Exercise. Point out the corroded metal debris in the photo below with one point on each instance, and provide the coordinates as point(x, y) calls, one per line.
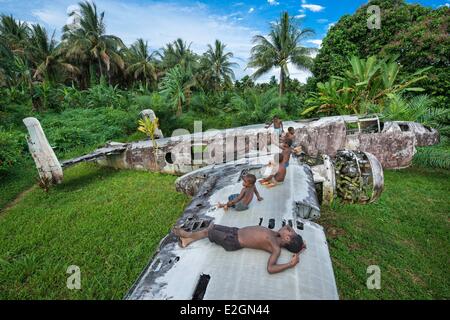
point(359, 179)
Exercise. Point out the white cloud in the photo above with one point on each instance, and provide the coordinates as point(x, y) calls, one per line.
point(322, 20)
point(273, 2)
point(317, 42)
point(294, 73)
point(313, 7)
point(251, 10)
point(72, 8)
point(28, 23)
point(160, 23)
point(300, 16)
point(51, 17)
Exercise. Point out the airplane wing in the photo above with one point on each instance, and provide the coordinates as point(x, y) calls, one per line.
point(204, 270)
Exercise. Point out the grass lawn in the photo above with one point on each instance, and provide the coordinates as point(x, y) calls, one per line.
point(109, 223)
point(105, 221)
point(406, 233)
point(19, 178)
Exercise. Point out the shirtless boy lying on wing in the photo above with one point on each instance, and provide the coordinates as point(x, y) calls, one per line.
point(254, 237)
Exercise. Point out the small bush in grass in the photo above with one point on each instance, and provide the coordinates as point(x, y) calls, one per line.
point(435, 156)
point(12, 144)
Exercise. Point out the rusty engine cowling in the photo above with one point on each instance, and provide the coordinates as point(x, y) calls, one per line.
point(352, 176)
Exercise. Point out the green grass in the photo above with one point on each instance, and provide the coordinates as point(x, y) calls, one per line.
point(18, 179)
point(105, 221)
point(406, 233)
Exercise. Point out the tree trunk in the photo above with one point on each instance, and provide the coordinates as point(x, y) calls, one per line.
point(179, 108)
point(282, 79)
point(48, 166)
point(100, 66)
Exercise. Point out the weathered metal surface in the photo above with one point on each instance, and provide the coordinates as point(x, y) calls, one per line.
point(324, 175)
point(109, 150)
point(359, 177)
point(377, 177)
point(392, 147)
point(173, 272)
point(425, 136)
point(322, 136)
point(47, 164)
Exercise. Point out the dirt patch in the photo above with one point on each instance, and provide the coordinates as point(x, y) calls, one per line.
point(19, 198)
point(334, 232)
point(415, 278)
point(354, 246)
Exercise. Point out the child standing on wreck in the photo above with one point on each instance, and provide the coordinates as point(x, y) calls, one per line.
point(241, 201)
point(290, 135)
point(277, 126)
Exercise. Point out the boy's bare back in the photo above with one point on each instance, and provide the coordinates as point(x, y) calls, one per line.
point(257, 237)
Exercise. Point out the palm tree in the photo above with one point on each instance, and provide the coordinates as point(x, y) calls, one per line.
point(176, 87)
point(142, 64)
point(256, 105)
point(279, 48)
point(6, 65)
point(217, 65)
point(87, 42)
point(46, 57)
point(13, 34)
point(178, 53)
point(14, 37)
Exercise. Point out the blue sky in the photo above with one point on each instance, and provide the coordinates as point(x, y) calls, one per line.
point(198, 21)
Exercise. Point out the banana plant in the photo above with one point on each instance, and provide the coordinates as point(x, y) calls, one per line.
point(150, 127)
point(367, 82)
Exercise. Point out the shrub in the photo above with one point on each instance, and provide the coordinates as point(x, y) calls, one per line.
point(106, 96)
point(434, 157)
point(71, 97)
point(88, 127)
point(12, 144)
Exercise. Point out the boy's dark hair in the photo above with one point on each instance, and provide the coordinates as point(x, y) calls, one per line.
point(296, 244)
point(278, 158)
point(291, 130)
point(288, 142)
point(276, 117)
point(250, 178)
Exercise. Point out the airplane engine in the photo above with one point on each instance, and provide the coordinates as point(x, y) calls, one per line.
point(352, 176)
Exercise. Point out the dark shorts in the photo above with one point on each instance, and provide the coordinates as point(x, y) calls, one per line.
point(240, 206)
point(224, 236)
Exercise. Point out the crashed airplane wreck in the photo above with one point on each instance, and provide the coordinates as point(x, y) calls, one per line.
point(339, 157)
